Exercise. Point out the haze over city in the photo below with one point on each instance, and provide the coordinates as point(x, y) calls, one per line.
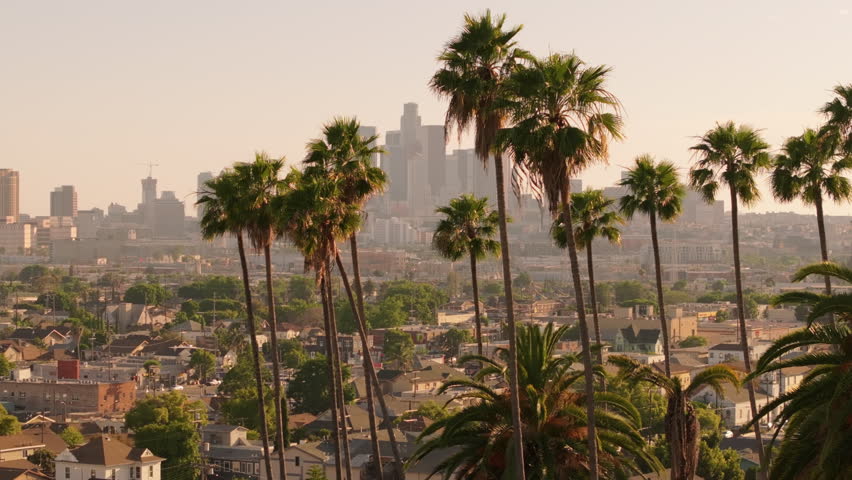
point(93, 90)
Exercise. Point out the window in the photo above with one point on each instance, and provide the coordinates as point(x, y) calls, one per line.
point(257, 468)
point(22, 394)
point(75, 396)
point(150, 471)
point(67, 472)
point(132, 470)
point(297, 461)
point(92, 474)
point(227, 465)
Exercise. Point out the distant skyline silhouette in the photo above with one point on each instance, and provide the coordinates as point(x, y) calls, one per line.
point(92, 90)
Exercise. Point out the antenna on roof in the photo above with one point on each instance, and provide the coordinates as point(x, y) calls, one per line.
point(151, 166)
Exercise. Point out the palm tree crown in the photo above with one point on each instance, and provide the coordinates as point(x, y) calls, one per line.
point(596, 218)
point(839, 305)
point(555, 422)
point(474, 67)
point(730, 154)
point(838, 112)
point(808, 169)
point(468, 228)
point(652, 189)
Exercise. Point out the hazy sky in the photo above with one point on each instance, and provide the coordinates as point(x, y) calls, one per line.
point(91, 90)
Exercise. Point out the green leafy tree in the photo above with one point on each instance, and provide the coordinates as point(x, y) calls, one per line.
point(240, 408)
point(212, 286)
point(301, 288)
point(682, 427)
point(721, 316)
point(693, 341)
point(719, 464)
point(474, 68)
point(654, 189)
point(316, 473)
point(429, 409)
point(292, 352)
point(9, 424)
point(733, 155)
point(606, 294)
point(45, 460)
point(553, 417)
point(629, 291)
point(398, 348)
point(72, 437)
point(190, 307)
point(813, 170)
point(422, 299)
point(595, 218)
point(5, 366)
point(203, 362)
point(31, 273)
point(146, 294)
point(451, 341)
point(310, 387)
point(466, 229)
point(168, 416)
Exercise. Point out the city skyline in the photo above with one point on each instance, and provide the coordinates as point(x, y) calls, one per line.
point(90, 112)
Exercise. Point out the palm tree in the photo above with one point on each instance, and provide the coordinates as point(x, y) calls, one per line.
point(474, 67)
point(467, 230)
point(837, 305)
point(734, 155)
point(259, 185)
point(563, 123)
point(681, 424)
point(810, 170)
point(838, 113)
point(554, 421)
point(344, 155)
point(314, 219)
point(815, 415)
point(224, 213)
point(595, 219)
point(655, 190)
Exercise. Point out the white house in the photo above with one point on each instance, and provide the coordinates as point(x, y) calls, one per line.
point(107, 459)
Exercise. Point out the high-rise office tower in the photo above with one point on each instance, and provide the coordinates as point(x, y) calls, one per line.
point(435, 156)
point(168, 216)
point(149, 190)
point(9, 194)
point(369, 132)
point(202, 179)
point(63, 201)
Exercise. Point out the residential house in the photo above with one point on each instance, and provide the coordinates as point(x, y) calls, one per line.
point(106, 458)
point(733, 352)
point(125, 317)
point(128, 345)
point(680, 326)
point(423, 381)
point(45, 336)
point(21, 470)
point(227, 448)
point(20, 351)
point(646, 340)
point(733, 406)
point(69, 396)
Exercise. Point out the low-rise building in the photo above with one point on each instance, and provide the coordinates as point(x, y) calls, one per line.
point(106, 458)
point(69, 396)
point(646, 340)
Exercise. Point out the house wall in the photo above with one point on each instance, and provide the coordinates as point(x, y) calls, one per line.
point(81, 471)
point(78, 397)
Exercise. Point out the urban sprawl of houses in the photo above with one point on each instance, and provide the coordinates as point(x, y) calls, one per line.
point(104, 312)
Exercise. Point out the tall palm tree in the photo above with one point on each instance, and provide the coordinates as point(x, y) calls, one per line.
point(474, 67)
point(564, 119)
point(467, 229)
point(837, 305)
point(810, 170)
point(314, 219)
point(225, 213)
point(259, 183)
point(344, 155)
point(734, 155)
point(838, 114)
point(681, 424)
point(655, 190)
point(554, 421)
point(815, 415)
point(595, 219)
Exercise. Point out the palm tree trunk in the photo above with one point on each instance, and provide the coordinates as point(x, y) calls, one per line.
point(584, 331)
point(661, 304)
point(593, 297)
point(359, 297)
point(338, 374)
point(823, 243)
point(335, 417)
point(514, 388)
point(255, 353)
point(371, 373)
point(683, 433)
point(276, 367)
point(476, 315)
point(741, 314)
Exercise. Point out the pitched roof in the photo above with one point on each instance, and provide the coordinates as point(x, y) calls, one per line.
point(644, 335)
point(165, 347)
point(727, 347)
point(107, 452)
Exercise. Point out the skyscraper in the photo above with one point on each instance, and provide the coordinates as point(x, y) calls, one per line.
point(202, 178)
point(368, 132)
point(9, 194)
point(63, 201)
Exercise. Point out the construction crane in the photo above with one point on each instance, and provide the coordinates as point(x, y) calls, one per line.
point(150, 168)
